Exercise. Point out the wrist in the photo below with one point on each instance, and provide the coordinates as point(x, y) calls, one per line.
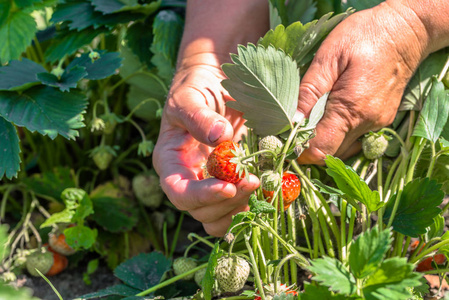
point(430, 19)
point(213, 29)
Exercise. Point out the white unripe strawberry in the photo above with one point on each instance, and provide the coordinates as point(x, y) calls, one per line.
point(231, 273)
point(270, 142)
point(41, 259)
point(182, 265)
point(270, 180)
point(374, 145)
point(146, 187)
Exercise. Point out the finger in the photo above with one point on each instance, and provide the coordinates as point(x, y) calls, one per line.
point(220, 227)
point(213, 211)
point(200, 112)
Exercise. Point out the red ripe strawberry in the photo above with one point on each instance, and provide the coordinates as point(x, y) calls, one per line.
point(291, 187)
point(223, 162)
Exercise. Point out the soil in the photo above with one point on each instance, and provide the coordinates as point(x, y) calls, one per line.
point(69, 283)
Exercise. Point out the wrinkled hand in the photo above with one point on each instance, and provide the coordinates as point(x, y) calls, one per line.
point(195, 119)
point(366, 62)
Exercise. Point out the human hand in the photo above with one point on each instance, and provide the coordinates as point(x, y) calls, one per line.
point(365, 63)
point(195, 119)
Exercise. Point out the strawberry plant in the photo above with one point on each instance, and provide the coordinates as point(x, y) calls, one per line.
point(82, 84)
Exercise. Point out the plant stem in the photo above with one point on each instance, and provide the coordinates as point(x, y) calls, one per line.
point(257, 279)
point(170, 281)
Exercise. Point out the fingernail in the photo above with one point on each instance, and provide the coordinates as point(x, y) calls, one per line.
point(298, 117)
point(216, 131)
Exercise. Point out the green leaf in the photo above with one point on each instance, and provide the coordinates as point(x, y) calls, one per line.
point(267, 103)
point(19, 75)
point(367, 252)
point(5, 7)
point(317, 113)
point(80, 15)
point(45, 110)
point(9, 150)
point(434, 113)
point(300, 41)
point(139, 37)
point(144, 270)
point(77, 207)
point(68, 42)
point(436, 229)
point(103, 67)
point(8, 291)
point(259, 207)
point(391, 281)
point(115, 290)
point(145, 80)
point(167, 31)
point(419, 85)
point(417, 207)
point(321, 292)
point(440, 172)
point(333, 274)
point(303, 11)
point(112, 6)
point(145, 106)
point(209, 277)
point(69, 78)
point(80, 237)
point(360, 4)
point(114, 214)
point(16, 34)
point(350, 183)
point(50, 184)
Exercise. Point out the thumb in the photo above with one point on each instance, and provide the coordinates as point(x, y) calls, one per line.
point(203, 123)
point(319, 79)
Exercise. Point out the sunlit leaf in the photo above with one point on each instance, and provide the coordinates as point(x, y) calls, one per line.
point(367, 252)
point(9, 150)
point(317, 112)
point(419, 85)
point(264, 82)
point(16, 34)
point(300, 41)
point(350, 183)
point(80, 237)
point(434, 113)
point(417, 207)
point(19, 75)
point(68, 80)
point(45, 110)
point(392, 281)
point(322, 292)
point(333, 274)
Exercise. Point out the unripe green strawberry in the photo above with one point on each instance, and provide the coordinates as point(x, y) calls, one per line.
point(199, 275)
point(182, 265)
point(270, 180)
point(374, 145)
point(102, 156)
point(146, 187)
point(231, 273)
point(41, 259)
point(272, 143)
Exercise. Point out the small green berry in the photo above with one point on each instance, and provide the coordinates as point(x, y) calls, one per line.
point(374, 145)
point(182, 265)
